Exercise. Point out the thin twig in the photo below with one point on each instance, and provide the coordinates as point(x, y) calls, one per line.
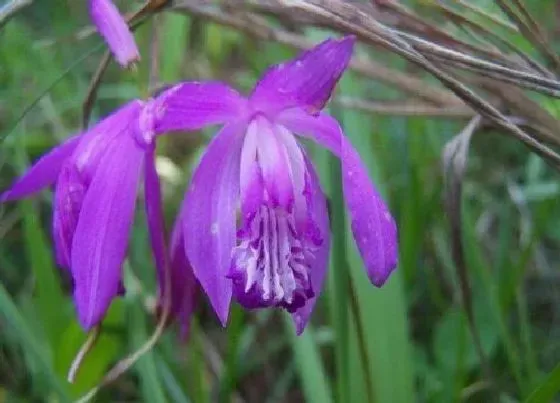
point(498, 71)
point(82, 354)
point(530, 30)
point(91, 94)
point(413, 109)
point(455, 155)
point(461, 19)
point(154, 54)
point(483, 13)
point(350, 19)
point(368, 68)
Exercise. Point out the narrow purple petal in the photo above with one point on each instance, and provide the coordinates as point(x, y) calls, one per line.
point(43, 173)
point(273, 161)
point(100, 241)
point(250, 177)
point(296, 170)
point(209, 222)
point(306, 81)
point(154, 214)
point(115, 31)
point(68, 199)
point(317, 205)
point(193, 105)
point(373, 226)
point(184, 286)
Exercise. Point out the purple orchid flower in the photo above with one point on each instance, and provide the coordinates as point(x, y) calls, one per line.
point(274, 254)
point(97, 174)
point(114, 29)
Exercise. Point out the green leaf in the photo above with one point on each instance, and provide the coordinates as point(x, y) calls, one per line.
point(310, 367)
point(548, 389)
point(23, 337)
point(150, 382)
point(97, 362)
point(49, 299)
point(382, 312)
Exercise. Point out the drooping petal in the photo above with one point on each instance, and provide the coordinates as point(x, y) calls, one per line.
point(209, 221)
point(68, 199)
point(115, 31)
point(184, 286)
point(306, 81)
point(193, 105)
point(319, 216)
point(100, 242)
point(43, 173)
point(154, 214)
point(373, 226)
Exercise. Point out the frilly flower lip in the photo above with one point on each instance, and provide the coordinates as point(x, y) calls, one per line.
point(114, 29)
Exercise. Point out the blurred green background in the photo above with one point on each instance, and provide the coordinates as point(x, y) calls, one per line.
point(407, 342)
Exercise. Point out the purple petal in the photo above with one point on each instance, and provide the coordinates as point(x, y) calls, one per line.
point(306, 81)
point(373, 226)
point(43, 173)
point(100, 241)
point(99, 138)
point(184, 286)
point(154, 213)
point(296, 170)
point(317, 205)
point(273, 161)
point(209, 222)
point(68, 199)
point(193, 105)
point(115, 31)
point(250, 177)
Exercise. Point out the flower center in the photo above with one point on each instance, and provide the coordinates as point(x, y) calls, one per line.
point(270, 264)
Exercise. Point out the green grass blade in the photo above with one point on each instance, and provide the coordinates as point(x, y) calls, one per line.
point(329, 167)
point(49, 299)
point(310, 367)
point(383, 312)
point(548, 390)
point(15, 324)
point(151, 385)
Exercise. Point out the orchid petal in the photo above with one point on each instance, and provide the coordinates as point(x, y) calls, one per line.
point(43, 173)
point(373, 226)
point(209, 221)
point(184, 286)
point(193, 105)
point(273, 162)
point(114, 29)
point(296, 170)
point(68, 199)
point(306, 81)
point(98, 138)
point(100, 241)
point(250, 177)
point(154, 214)
point(317, 205)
